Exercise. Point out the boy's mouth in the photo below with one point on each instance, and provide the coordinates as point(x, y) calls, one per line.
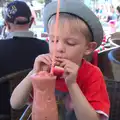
point(60, 57)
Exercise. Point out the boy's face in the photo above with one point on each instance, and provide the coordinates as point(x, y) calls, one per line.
point(70, 44)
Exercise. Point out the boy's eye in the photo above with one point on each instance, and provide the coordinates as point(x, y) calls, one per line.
point(71, 43)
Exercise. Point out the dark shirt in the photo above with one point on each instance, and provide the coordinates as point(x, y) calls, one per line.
point(17, 53)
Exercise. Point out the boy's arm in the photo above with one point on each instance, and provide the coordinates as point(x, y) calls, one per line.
point(82, 108)
point(21, 93)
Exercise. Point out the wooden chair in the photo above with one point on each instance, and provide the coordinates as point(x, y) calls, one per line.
point(14, 79)
point(113, 88)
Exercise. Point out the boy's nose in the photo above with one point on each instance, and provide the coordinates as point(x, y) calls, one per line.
point(60, 47)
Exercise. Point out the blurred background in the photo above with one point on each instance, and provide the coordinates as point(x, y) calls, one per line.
point(108, 12)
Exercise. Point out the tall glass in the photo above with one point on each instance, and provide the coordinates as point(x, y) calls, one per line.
point(44, 102)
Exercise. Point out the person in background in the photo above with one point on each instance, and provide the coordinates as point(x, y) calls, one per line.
point(118, 18)
point(19, 49)
point(112, 14)
point(118, 12)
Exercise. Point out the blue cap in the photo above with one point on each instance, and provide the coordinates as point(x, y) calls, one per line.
point(17, 12)
point(79, 9)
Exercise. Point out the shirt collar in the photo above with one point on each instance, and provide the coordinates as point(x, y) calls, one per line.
point(20, 34)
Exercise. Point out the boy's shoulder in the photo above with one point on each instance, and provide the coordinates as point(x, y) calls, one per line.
point(88, 69)
point(88, 72)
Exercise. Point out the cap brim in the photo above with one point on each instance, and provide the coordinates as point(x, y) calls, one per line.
point(79, 9)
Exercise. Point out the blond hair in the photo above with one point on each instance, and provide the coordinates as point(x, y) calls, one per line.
point(76, 24)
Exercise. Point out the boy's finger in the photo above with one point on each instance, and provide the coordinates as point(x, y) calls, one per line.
point(57, 63)
point(39, 63)
point(63, 64)
point(48, 57)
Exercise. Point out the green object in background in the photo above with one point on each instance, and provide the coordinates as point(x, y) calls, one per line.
point(100, 49)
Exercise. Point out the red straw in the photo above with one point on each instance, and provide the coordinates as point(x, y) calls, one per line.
point(56, 31)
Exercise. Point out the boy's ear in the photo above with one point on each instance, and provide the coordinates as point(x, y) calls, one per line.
point(90, 48)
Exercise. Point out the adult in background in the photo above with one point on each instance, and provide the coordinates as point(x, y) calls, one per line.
point(20, 48)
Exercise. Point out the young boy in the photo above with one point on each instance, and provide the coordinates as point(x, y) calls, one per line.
point(82, 87)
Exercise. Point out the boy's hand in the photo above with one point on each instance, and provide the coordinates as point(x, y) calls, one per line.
point(42, 63)
point(71, 71)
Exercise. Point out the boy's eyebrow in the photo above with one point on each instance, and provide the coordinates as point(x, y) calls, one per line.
point(67, 38)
